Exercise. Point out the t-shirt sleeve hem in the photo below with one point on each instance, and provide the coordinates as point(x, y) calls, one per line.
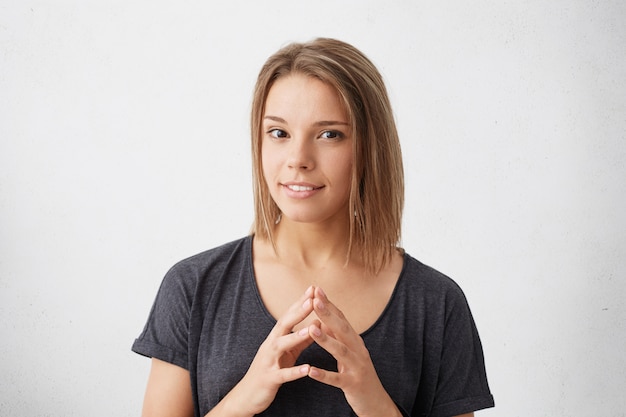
point(153, 350)
point(464, 406)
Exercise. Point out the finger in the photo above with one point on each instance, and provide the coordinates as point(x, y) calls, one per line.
point(291, 374)
point(297, 312)
point(326, 377)
point(339, 350)
point(333, 318)
point(297, 341)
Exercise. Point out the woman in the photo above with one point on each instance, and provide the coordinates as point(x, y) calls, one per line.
point(318, 312)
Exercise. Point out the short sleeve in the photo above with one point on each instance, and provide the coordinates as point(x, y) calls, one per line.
point(166, 333)
point(462, 383)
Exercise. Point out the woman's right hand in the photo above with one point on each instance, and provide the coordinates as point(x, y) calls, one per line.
point(273, 365)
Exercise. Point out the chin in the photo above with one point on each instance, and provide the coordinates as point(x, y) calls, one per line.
point(301, 217)
point(309, 216)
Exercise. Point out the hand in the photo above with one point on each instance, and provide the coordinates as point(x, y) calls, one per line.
point(355, 375)
point(273, 365)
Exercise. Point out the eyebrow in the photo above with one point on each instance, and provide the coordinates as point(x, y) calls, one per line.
point(319, 123)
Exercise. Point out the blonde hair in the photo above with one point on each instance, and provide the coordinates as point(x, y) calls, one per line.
point(377, 191)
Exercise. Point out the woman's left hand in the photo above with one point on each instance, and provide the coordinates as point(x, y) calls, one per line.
point(355, 375)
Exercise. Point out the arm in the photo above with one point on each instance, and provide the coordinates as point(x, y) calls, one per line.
point(272, 366)
point(169, 387)
point(168, 393)
point(356, 375)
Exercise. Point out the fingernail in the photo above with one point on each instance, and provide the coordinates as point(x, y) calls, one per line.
point(306, 304)
point(314, 372)
point(322, 293)
point(303, 332)
point(320, 304)
point(317, 331)
point(304, 369)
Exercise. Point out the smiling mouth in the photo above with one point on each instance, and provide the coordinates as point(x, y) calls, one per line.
point(300, 188)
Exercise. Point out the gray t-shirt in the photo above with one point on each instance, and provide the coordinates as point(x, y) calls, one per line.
point(208, 318)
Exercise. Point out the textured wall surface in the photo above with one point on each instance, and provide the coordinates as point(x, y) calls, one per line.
point(124, 148)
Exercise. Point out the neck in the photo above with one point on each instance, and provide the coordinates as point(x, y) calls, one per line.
point(312, 245)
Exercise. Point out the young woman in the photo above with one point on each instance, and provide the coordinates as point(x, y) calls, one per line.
point(318, 312)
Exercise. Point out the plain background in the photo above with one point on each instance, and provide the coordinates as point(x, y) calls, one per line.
point(124, 147)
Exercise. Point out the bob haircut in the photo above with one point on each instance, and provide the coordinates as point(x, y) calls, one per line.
point(377, 190)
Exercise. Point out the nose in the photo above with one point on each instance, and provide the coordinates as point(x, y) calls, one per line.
point(301, 154)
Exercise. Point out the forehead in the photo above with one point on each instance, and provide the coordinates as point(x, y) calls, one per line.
point(300, 96)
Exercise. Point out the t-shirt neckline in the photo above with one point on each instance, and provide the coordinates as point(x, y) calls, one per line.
point(272, 320)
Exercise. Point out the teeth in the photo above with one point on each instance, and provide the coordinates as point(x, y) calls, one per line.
point(299, 188)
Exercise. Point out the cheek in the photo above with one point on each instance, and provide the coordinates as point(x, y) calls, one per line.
point(342, 166)
point(267, 162)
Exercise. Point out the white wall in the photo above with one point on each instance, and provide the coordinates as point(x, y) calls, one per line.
point(124, 148)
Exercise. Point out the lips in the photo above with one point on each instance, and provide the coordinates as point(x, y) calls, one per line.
point(294, 187)
point(301, 186)
point(301, 189)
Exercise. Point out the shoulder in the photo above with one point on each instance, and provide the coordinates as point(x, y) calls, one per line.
point(215, 257)
point(187, 275)
point(453, 370)
point(430, 286)
point(427, 277)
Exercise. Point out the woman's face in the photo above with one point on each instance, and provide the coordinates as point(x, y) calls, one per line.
point(306, 150)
